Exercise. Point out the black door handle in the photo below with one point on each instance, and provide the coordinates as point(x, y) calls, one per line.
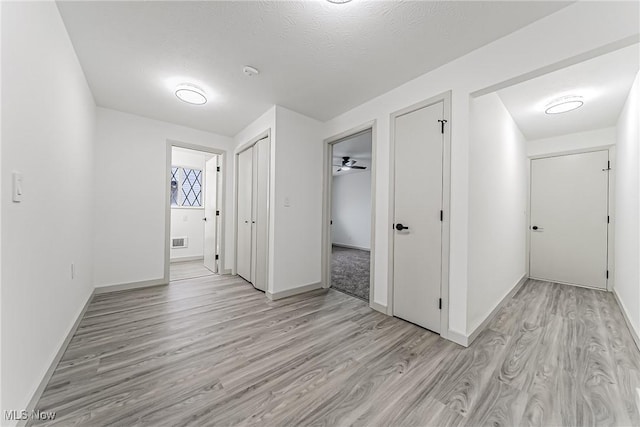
point(401, 227)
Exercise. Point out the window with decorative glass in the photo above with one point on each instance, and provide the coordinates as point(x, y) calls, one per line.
point(186, 187)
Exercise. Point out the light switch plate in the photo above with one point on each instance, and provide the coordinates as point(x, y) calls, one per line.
point(17, 187)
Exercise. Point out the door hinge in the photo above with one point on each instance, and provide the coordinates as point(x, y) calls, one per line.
point(608, 219)
point(439, 303)
point(607, 274)
point(217, 168)
point(217, 256)
point(441, 215)
point(608, 166)
point(442, 122)
point(217, 213)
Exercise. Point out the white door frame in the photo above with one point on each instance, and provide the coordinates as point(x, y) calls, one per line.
point(222, 156)
point(610, 204)
point(446, 203)
point(327, 205)
point(253, 141)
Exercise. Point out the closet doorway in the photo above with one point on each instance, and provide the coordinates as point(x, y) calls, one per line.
point(252, 212)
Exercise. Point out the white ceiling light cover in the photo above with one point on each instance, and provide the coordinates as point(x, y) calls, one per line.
point(564, 104)
point(191, 94)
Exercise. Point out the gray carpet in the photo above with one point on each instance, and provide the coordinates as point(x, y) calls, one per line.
point(350, 271)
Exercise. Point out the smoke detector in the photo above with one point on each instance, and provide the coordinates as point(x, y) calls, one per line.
point(250, 71)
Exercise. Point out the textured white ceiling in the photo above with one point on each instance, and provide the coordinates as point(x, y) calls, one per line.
point(318, 58)
point(604, 83)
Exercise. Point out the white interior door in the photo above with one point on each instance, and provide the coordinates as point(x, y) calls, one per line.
point(210, 206)
point(569, 219)
point(245, 202)
point(417, 255)
point(260, 213)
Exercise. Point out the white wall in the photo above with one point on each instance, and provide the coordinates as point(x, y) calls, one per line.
point(294, 230)
point(351, 207)
point(48, 127)
point(129, 239)
point(498, 188)
point(297, 236)
point(187, 221)
point(551, 40)
point(565, 144)
point(627, 242)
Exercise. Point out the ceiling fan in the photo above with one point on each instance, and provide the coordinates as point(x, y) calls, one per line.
point(348, 164)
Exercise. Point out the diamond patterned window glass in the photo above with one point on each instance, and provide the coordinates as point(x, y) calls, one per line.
point(174, 186)
point(192, 187)
point(186, 187)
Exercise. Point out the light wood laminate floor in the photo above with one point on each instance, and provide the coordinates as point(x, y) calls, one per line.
point(188, 270)
point(213, 351)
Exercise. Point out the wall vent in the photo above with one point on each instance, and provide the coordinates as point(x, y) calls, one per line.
point(179, 242)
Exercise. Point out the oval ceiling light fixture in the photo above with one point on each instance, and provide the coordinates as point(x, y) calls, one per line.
point(190, 94)
point(338, 1)
point(564, 104)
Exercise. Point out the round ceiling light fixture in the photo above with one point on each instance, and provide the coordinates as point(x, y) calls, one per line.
point(338, 1)
point(190, 94)
point(564, 104)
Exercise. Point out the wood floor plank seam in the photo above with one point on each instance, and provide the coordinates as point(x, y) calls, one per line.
point(212, 351)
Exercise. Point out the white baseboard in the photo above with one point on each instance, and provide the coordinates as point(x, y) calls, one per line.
point(495, 311)
point(225, 272)
point(54, 363)
point(458, 338)
point(344, 245)
point(187, 258)
point(295, 291)
point(626, 319)
point(128, 286)
point(378, 307)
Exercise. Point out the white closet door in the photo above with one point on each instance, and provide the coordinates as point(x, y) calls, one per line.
point(417, 256)
point(260, 213)
point(211, 223)
point(244, 215)
point(569, 219)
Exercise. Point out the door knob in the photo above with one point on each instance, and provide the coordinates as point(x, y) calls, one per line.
point(204, 219)
point(401, 227)
point(535, 227)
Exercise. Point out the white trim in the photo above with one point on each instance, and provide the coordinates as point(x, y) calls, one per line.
point(128, 286)
point(632, 331)
point(220, 206)
point(378, 307)
point(445, 98)
point(481, 327)
point(295, 291)
point(186, 259)
point(458, 338)
point(344, 245)
point(56, 359)
point(327, 200)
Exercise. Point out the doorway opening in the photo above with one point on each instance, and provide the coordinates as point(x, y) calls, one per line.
point(350, 208)
point(194, 213)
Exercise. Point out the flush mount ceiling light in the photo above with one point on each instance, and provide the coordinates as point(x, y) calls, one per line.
point(190, 94)
point(338, 1)
point(564, 104)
